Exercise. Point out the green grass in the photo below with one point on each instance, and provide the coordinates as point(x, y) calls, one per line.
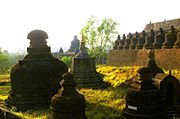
point(35, 114)
point(106, 103)
point(4, 78)
point(100, 104)
point(117, 75)
point(4, 90)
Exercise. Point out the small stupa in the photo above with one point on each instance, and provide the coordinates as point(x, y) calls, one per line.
point(68, 103)
point(152, 63)
point(84, 69)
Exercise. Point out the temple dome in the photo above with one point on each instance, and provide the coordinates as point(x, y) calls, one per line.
point(37, 34)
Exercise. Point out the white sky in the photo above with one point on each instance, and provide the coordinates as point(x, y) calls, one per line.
point(62, 19)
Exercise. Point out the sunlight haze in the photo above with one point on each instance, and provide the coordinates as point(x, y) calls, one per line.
point(62, 19)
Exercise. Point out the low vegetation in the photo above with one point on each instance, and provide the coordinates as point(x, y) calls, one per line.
point(67, 60)
point(107, 105)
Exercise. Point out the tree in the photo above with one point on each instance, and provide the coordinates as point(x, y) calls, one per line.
point(4, 61)
point(7, 60)
point(99, 35)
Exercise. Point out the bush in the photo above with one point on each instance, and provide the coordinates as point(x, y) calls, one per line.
point(4, 63)
point(7, 61)
point(67, 60)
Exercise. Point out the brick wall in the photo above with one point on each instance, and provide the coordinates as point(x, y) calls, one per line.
point(165, 58)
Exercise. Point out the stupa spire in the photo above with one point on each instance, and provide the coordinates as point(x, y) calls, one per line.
point(83, 50)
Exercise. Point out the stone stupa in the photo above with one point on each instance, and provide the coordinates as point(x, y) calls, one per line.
point(151, 64)
point(35, 79)
point(144, 99)
point(68, 103)
point(84, 70)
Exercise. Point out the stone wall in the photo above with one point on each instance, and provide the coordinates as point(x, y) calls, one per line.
point(165, 58)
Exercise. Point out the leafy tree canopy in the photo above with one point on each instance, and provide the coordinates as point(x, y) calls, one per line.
point(7, 60)
point(99, 36)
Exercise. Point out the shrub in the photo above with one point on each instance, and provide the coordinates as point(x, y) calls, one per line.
point(67, 60)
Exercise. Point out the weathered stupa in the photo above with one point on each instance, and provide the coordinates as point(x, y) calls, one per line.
point(68, 103)
point(144, 99)
point(35, 79)
point(155, 69)
point(74, 45)
point(177, 43)
point(84, 70)
point(170, 38)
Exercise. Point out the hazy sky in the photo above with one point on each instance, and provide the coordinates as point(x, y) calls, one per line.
point(62, 19)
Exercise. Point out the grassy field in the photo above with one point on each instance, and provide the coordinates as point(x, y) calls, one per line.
point(4, 88)
point(107, 105)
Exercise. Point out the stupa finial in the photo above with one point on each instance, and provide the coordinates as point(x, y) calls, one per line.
point(83, 50)
point(151, 53)
point(82, 46)
point(82, 38)
point(152, 63)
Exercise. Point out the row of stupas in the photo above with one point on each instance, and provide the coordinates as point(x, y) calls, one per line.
point(161, 38)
